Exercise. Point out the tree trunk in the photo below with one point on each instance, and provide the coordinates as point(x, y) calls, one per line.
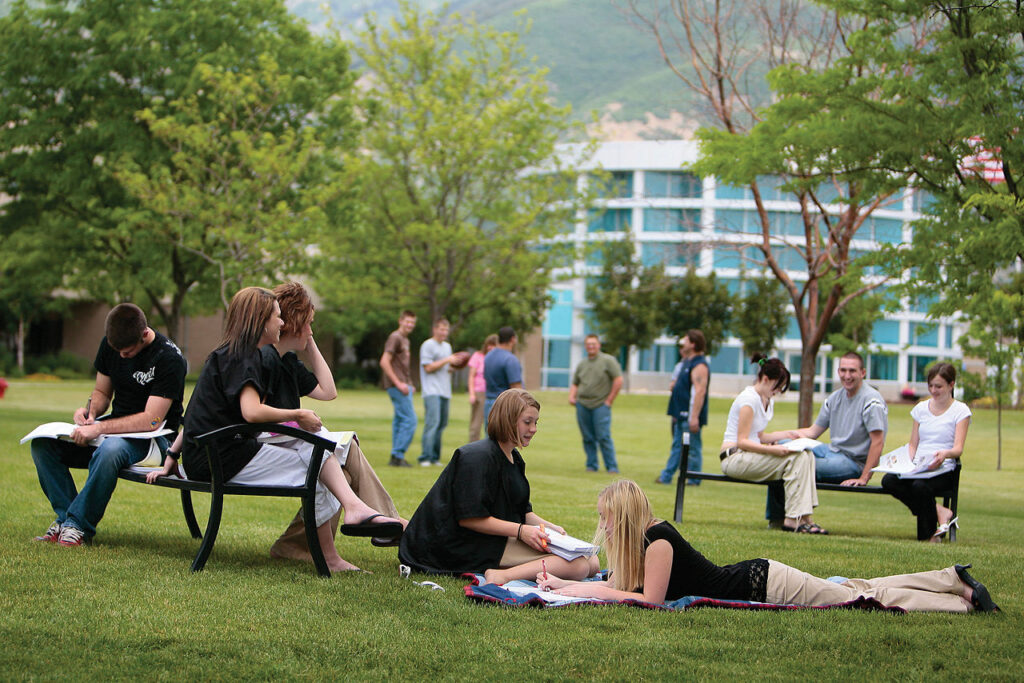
point(808, 361)
point(20, 344)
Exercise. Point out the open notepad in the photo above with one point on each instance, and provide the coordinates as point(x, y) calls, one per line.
point(899, 462)
point(62, 430)
point(568, 547)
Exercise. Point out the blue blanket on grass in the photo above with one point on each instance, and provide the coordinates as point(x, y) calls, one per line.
point(500, 595)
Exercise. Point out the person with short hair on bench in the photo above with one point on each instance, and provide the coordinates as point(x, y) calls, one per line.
point(857, 420)
point(749, 453)
point(141, 374)
point(289, 380)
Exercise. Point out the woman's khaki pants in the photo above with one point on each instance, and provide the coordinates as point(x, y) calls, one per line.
point(796, 472)
point(934, 591)
point(364, 483)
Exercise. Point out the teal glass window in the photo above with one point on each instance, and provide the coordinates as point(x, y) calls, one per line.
point(727, 361)
point(671, 220)
point(885, 332)
point(618, 185)
point(669, 254)
point(609, 220)
point(926, 335)
point(917, 367)
point(558, 353)
point(558, 321)
point(671, 184)
point(883, 366)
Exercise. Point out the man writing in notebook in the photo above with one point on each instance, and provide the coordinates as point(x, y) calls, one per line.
point(139, 372)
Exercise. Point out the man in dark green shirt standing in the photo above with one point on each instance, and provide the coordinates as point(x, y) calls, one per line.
point(595, 384)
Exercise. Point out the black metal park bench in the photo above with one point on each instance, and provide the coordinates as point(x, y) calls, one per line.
point(949, 497)
point(217, 487)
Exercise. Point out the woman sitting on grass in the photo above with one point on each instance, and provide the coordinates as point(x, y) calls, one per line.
point(936, 439)
point(650, 561)
point(749, 453)
point(230, 391)
point(477, 517)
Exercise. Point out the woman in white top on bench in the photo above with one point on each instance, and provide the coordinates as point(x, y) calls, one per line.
point(749, 453)
point(937, 439)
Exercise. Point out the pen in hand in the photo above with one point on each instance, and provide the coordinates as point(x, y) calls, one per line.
point(544, 568)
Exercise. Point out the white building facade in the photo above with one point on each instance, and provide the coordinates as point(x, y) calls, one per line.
point(681, 220)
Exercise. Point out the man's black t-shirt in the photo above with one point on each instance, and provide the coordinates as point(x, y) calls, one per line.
point(157, 370)
point(216, 403)
point(287, 378)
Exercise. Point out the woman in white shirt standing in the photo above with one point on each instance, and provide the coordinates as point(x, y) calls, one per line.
point(937, 440)
point(749, 453)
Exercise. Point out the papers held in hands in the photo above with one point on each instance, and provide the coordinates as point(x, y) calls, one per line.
point(342, 439)
point(899, 462)
point(569, 548)
point(801, 444)
point(62, 430)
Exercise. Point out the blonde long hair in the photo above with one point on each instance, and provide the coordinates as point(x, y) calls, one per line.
point(630, 512)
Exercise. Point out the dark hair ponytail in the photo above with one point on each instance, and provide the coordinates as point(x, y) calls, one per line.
point(773, 369)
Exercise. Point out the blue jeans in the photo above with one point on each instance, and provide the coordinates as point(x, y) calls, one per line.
point(488, 402)
point(435, 419)
point(84, 509)
point(403, 426)
point(596, 429)
point(694, 462)
point(830, 467)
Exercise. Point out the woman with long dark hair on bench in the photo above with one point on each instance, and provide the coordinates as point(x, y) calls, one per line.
point(650, 561)
point(749, 453)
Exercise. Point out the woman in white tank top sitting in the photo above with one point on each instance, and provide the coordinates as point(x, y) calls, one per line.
point(750, 453)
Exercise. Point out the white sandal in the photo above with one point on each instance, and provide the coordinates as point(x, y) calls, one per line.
point(944, 528)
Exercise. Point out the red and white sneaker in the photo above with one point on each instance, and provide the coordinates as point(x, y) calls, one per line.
point(69, 536)
point(51, 535)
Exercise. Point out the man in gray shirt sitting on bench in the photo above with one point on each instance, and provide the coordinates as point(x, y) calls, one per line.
point(857, 419)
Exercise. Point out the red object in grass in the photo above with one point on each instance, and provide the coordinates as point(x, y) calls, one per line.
point(3, 386)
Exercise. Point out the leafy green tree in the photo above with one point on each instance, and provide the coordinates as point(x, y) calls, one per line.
point(762, 316)
point(951, 78)
point(697, 302)
point(779, 144)
point(30, 271)
point(73, 77)
point(459, 177)
point(628, 300)
point(242, 197)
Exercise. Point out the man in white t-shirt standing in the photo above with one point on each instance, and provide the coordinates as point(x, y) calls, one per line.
point(857, 419)
point(436, 381)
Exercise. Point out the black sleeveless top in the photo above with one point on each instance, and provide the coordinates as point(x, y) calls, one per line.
point(694, 574)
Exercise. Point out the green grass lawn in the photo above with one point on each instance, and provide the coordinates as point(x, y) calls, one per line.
point(127, 607)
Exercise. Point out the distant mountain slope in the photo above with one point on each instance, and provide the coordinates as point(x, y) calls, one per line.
point(598, 60)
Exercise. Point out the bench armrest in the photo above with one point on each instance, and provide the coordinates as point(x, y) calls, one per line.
point(208, 443)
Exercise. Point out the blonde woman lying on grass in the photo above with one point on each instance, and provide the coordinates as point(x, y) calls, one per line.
point(650, 561)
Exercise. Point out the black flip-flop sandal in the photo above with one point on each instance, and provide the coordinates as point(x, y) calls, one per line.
point(368, 528)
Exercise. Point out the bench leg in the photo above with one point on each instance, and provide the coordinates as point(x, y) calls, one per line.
point(190, 514)
point(210, 537)
point(684, 460)
point(312, 539)
point(950, 502)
